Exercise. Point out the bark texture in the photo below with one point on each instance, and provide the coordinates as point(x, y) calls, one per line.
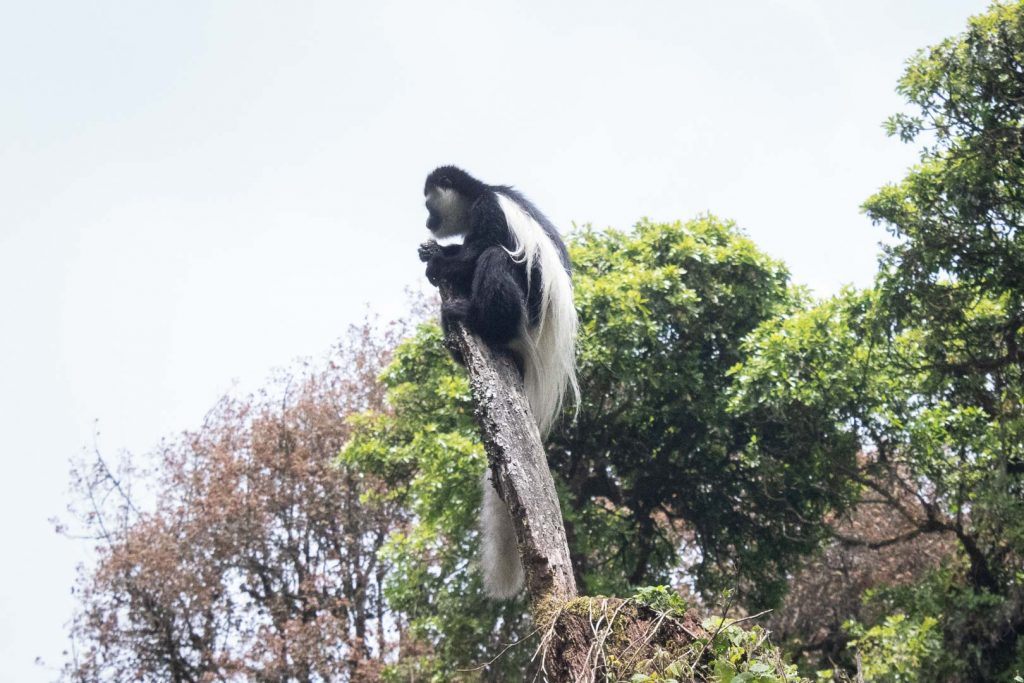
point(518, 465)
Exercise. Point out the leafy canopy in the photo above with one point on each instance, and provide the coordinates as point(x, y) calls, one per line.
point(926, 371)
point(659, 467)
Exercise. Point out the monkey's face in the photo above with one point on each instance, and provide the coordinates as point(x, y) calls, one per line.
point(447, 212)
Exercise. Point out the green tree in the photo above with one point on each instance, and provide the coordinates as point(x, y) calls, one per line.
point(926, 371)
point(655, 469)
point(956, 274)
point(936, 464)
point(655, 461)
point(426, 446)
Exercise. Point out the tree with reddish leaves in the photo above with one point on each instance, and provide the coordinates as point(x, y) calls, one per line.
point(251, 553)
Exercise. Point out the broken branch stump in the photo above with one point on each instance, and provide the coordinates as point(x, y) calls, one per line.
point(518, 464)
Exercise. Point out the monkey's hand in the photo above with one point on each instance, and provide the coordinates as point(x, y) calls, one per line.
point(428, 250)
point(452, 263)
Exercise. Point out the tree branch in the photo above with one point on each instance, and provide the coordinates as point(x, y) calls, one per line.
point(518, 464)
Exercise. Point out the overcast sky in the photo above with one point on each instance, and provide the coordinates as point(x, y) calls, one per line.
point(194, 193)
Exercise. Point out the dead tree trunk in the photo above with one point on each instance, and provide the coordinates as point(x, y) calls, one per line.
point(518, 465)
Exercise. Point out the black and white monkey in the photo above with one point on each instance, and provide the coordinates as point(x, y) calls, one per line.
point(512, 286)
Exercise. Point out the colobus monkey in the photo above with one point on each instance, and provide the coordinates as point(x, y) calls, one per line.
point(511, 278)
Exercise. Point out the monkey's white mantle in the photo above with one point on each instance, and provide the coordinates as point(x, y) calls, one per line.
point(518, 465)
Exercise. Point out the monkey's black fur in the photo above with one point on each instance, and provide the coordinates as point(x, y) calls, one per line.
point(529, 312)
point(490, 285)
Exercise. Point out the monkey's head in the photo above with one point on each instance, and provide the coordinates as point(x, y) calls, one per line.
point(450, 193)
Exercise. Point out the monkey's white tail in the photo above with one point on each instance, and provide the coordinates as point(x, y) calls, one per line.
point(502, 568)
point(549, 347)
point(548, 350)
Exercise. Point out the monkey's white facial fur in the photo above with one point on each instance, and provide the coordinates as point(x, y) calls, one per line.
point(448, 212)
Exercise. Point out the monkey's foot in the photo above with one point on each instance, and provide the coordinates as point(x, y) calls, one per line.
point(454, 309)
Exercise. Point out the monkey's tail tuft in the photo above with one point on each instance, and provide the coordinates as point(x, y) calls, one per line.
point(502, 568)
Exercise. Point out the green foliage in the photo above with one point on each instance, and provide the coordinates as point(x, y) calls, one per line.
point(896, 650)
point(836, 374)
point(926, 372)
point(664, 310)
point(956, 276)
point(727, 654)
point(745, 655)
point(661, 599)
point(956, 271)
point(653, 637)
point(426, 446)
point(966, 620)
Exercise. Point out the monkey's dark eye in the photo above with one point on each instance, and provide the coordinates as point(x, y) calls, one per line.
point(445, 181)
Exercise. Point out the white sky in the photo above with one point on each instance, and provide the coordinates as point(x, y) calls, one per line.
point(193, 193)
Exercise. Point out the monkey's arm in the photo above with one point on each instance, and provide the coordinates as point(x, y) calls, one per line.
point(454, 264)
point(497, 302)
